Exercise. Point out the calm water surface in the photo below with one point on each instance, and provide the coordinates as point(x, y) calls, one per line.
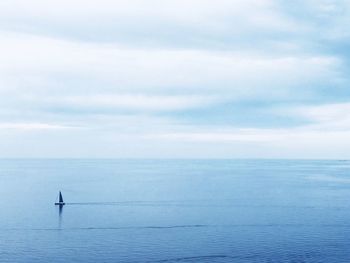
point(175, 211)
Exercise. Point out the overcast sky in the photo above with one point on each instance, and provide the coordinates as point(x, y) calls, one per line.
point(175, 78)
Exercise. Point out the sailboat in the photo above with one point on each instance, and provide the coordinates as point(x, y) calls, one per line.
point(60, 200)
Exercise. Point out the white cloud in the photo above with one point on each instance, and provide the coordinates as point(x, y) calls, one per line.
point(302, 142)
point(326, 112)
point(140, 13)
point(327, 116)
point(241, 135)
point(282, 136)
point(32, 126)
point(134, 102)
point(39, 63)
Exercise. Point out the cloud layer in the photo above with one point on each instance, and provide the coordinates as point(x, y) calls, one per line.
point(174, 78)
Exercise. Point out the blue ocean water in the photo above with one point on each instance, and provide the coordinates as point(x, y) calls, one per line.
point(175, 211)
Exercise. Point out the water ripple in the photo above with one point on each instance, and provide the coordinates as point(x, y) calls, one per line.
point(190, 259)
point(182, 226)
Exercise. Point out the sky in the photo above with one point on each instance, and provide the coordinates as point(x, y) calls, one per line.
point(175, 79)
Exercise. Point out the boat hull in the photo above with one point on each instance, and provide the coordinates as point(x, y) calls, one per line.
point(61, 203)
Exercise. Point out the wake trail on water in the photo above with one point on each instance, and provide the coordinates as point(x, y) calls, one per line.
point(200, 204)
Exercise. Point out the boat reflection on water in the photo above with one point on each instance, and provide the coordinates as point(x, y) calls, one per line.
point(60, 205)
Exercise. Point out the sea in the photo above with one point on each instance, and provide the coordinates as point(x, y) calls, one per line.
point(174, 210)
